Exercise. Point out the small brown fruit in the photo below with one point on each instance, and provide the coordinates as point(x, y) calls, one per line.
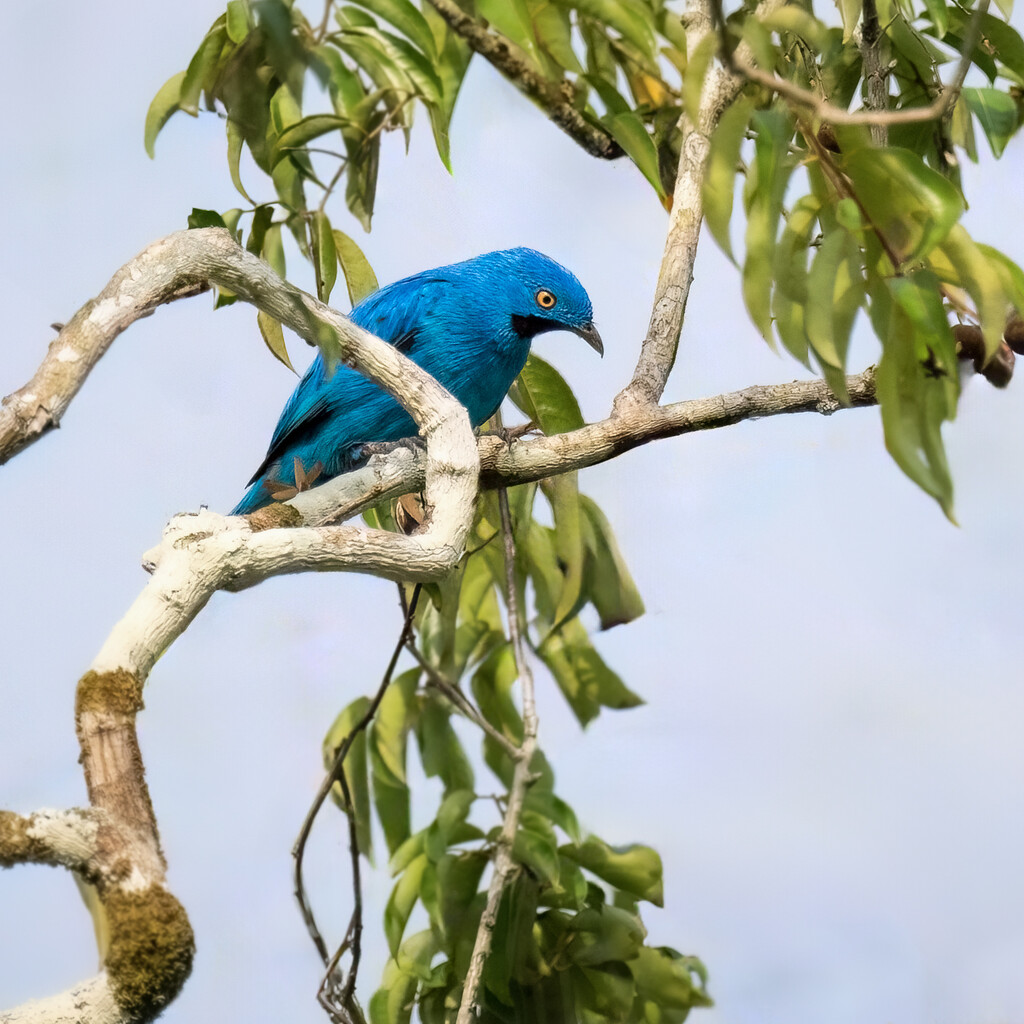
point(1014, 333)
point(970, 343)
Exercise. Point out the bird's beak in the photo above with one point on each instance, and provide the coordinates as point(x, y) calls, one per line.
point(591, 337)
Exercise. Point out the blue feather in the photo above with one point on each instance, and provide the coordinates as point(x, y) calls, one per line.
point(469, 325)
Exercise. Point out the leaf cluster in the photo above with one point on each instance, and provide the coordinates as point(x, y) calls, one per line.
point(837, 225)
point(569, 940)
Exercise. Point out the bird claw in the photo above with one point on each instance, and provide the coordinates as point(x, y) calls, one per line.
point(281, 491)
point(510, 434)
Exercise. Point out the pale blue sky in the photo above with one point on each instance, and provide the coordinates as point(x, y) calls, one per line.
point(830, 759)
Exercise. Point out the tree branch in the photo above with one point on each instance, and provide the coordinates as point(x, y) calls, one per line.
point(151, 944)
point(504, 862)
point(554, 98)
point(528, 459)
point(721, 87)
point(822, 110)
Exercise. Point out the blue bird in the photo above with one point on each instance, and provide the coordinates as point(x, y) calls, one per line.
point(469, 325)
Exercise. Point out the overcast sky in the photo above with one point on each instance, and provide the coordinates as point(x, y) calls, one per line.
point(830, 758)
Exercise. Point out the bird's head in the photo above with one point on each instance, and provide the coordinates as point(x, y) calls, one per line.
point(540, 295)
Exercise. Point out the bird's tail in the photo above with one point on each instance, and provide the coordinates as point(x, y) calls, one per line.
point(255, 498)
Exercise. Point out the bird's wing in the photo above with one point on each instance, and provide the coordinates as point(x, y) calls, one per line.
point(394, 313)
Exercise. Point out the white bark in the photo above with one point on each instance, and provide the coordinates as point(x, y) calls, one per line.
point(89, 1002)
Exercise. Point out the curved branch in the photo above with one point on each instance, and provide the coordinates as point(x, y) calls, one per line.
point(150, 948)
point(554, 98)
point(527, 459)
point(721, 87)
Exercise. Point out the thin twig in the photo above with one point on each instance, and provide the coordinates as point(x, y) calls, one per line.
point(821, 108)
point(336, 774)
point(871, 38)
point(504, 864)
point(461, 702)
point(554, 98)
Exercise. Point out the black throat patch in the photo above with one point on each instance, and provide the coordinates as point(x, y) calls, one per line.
point(528, 326)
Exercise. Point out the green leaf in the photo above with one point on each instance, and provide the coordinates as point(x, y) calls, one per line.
point(723, 161)
point(359, 276)
point(235, 141)
point(631, 134)
point(669, 980)
point(835, 292)
point(238, 20)
point(403, 898)
point(406, 18)
point(262, 218)
point(634, 869)
point(541, 393)
point(698, 63)
point(604, 934)
point(911, 205)
point(164, 104)
point(917, 381)
point(440, 749)
point(563, 494)
point(511, 18)
point(200, 66)
point(300, 133)
point(392, 1003)
point(273, 251)
point(586, 682)
point(273, 335)
point(458, 879)
point(205, 219)
point(388, 737)
point(983, 280)
point(325, 254)
point(611, 587)
point(997, 114)
point(633, 22)
point(355, 770)
point(765, 187)
point(552, 27)
point(939, 14)
point(535, 847)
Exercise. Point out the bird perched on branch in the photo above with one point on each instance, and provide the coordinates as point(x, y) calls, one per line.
point(469, 325)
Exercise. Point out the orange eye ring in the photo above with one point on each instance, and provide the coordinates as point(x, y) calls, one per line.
point(545, 299)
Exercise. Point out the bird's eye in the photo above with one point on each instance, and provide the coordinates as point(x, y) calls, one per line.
point(545, 299)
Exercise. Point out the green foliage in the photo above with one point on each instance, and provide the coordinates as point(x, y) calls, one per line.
point(837, 225)
point(569, 942)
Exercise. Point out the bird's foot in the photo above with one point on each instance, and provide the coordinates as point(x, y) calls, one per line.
point(510, 434)
point(364, 451)
point(282, 491)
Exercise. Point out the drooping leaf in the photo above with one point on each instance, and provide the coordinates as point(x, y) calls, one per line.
point(401, 902)
point(325, 254)
point(997, 113)
point(723, 162)
point(238, 20)
point(835, 291)
point(916, 390)
point(200, 66)
point(541, 393)
point(611, 587)
point(359, 276)
point(273, 335)
point(909, 204)
point(164, 104)
point(406, 18)
point(355, 767)
point(669, 980)
point(635, 869)
point(388, 737)
point(765, 187)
